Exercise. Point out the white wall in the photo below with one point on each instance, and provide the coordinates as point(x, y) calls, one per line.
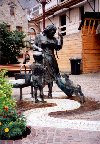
point(72, 23)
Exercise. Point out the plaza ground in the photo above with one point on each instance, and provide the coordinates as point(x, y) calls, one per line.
point(81, 129)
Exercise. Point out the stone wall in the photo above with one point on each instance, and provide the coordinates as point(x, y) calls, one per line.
point(19, 19)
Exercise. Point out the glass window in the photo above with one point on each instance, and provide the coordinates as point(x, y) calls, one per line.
point(12, 11)
point(8, 27)
point(62, 0)
point(81, 9)
point(19, 28)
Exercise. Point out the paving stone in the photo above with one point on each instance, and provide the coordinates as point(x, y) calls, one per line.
point(64, 131)
point(50, 140)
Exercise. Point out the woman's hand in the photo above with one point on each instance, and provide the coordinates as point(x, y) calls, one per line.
point(59, 34)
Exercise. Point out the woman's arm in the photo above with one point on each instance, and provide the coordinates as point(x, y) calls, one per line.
point(60, 39)
point(59, 42)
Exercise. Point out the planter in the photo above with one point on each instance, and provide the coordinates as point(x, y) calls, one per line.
point(6, 142)
point(11, 141)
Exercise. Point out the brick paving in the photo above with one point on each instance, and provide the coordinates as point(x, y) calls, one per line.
point(52, 135)
point(63, 136)
point(59, 136)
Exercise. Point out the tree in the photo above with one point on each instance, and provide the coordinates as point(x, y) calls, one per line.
point(11, 43)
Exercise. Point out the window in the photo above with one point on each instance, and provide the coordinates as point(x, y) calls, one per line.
point(61, 0)
point(19, 28)
point(8, 27)
point(81, 9)
point(63, 23)
point(12, 10)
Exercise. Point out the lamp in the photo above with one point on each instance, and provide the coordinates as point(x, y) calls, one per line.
point(43, 2)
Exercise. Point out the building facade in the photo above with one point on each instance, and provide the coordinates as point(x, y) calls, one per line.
point(67, 16)
point(12, 13)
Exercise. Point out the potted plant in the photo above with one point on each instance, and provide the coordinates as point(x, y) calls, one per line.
point(12, 125)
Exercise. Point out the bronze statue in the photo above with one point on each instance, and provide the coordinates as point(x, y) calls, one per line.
point(47, 43)
point(38, 72)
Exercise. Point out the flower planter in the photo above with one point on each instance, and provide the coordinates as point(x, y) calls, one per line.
point(6, 142)
point(11, 141)
point(12, 124)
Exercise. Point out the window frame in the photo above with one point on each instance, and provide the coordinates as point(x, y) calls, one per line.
point(19, 28)
point(12, 10)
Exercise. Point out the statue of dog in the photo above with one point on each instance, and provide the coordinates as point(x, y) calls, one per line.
point(68, 87)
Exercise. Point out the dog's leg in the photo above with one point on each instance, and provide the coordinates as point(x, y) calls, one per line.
point(79, 93)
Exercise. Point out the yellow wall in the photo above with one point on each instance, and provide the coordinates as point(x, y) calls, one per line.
point(72, 48)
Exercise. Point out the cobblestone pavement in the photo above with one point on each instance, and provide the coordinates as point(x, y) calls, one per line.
point(58, 136)
point(62, 136)
point(89, 133)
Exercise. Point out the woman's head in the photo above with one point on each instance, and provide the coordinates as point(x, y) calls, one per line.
point(50, 30)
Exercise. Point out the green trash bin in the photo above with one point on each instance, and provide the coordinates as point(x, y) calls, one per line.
point(75, 66)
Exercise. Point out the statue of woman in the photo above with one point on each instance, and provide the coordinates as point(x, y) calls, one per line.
point(47, 43)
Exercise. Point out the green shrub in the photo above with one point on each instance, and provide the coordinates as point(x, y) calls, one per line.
point(11, 123)
point(11, 43)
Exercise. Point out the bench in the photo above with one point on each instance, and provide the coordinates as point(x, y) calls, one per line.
point(14, 67)
point(22, 80)
point(21, 85)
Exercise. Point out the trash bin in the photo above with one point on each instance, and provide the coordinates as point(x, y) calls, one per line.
point(75, 66)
